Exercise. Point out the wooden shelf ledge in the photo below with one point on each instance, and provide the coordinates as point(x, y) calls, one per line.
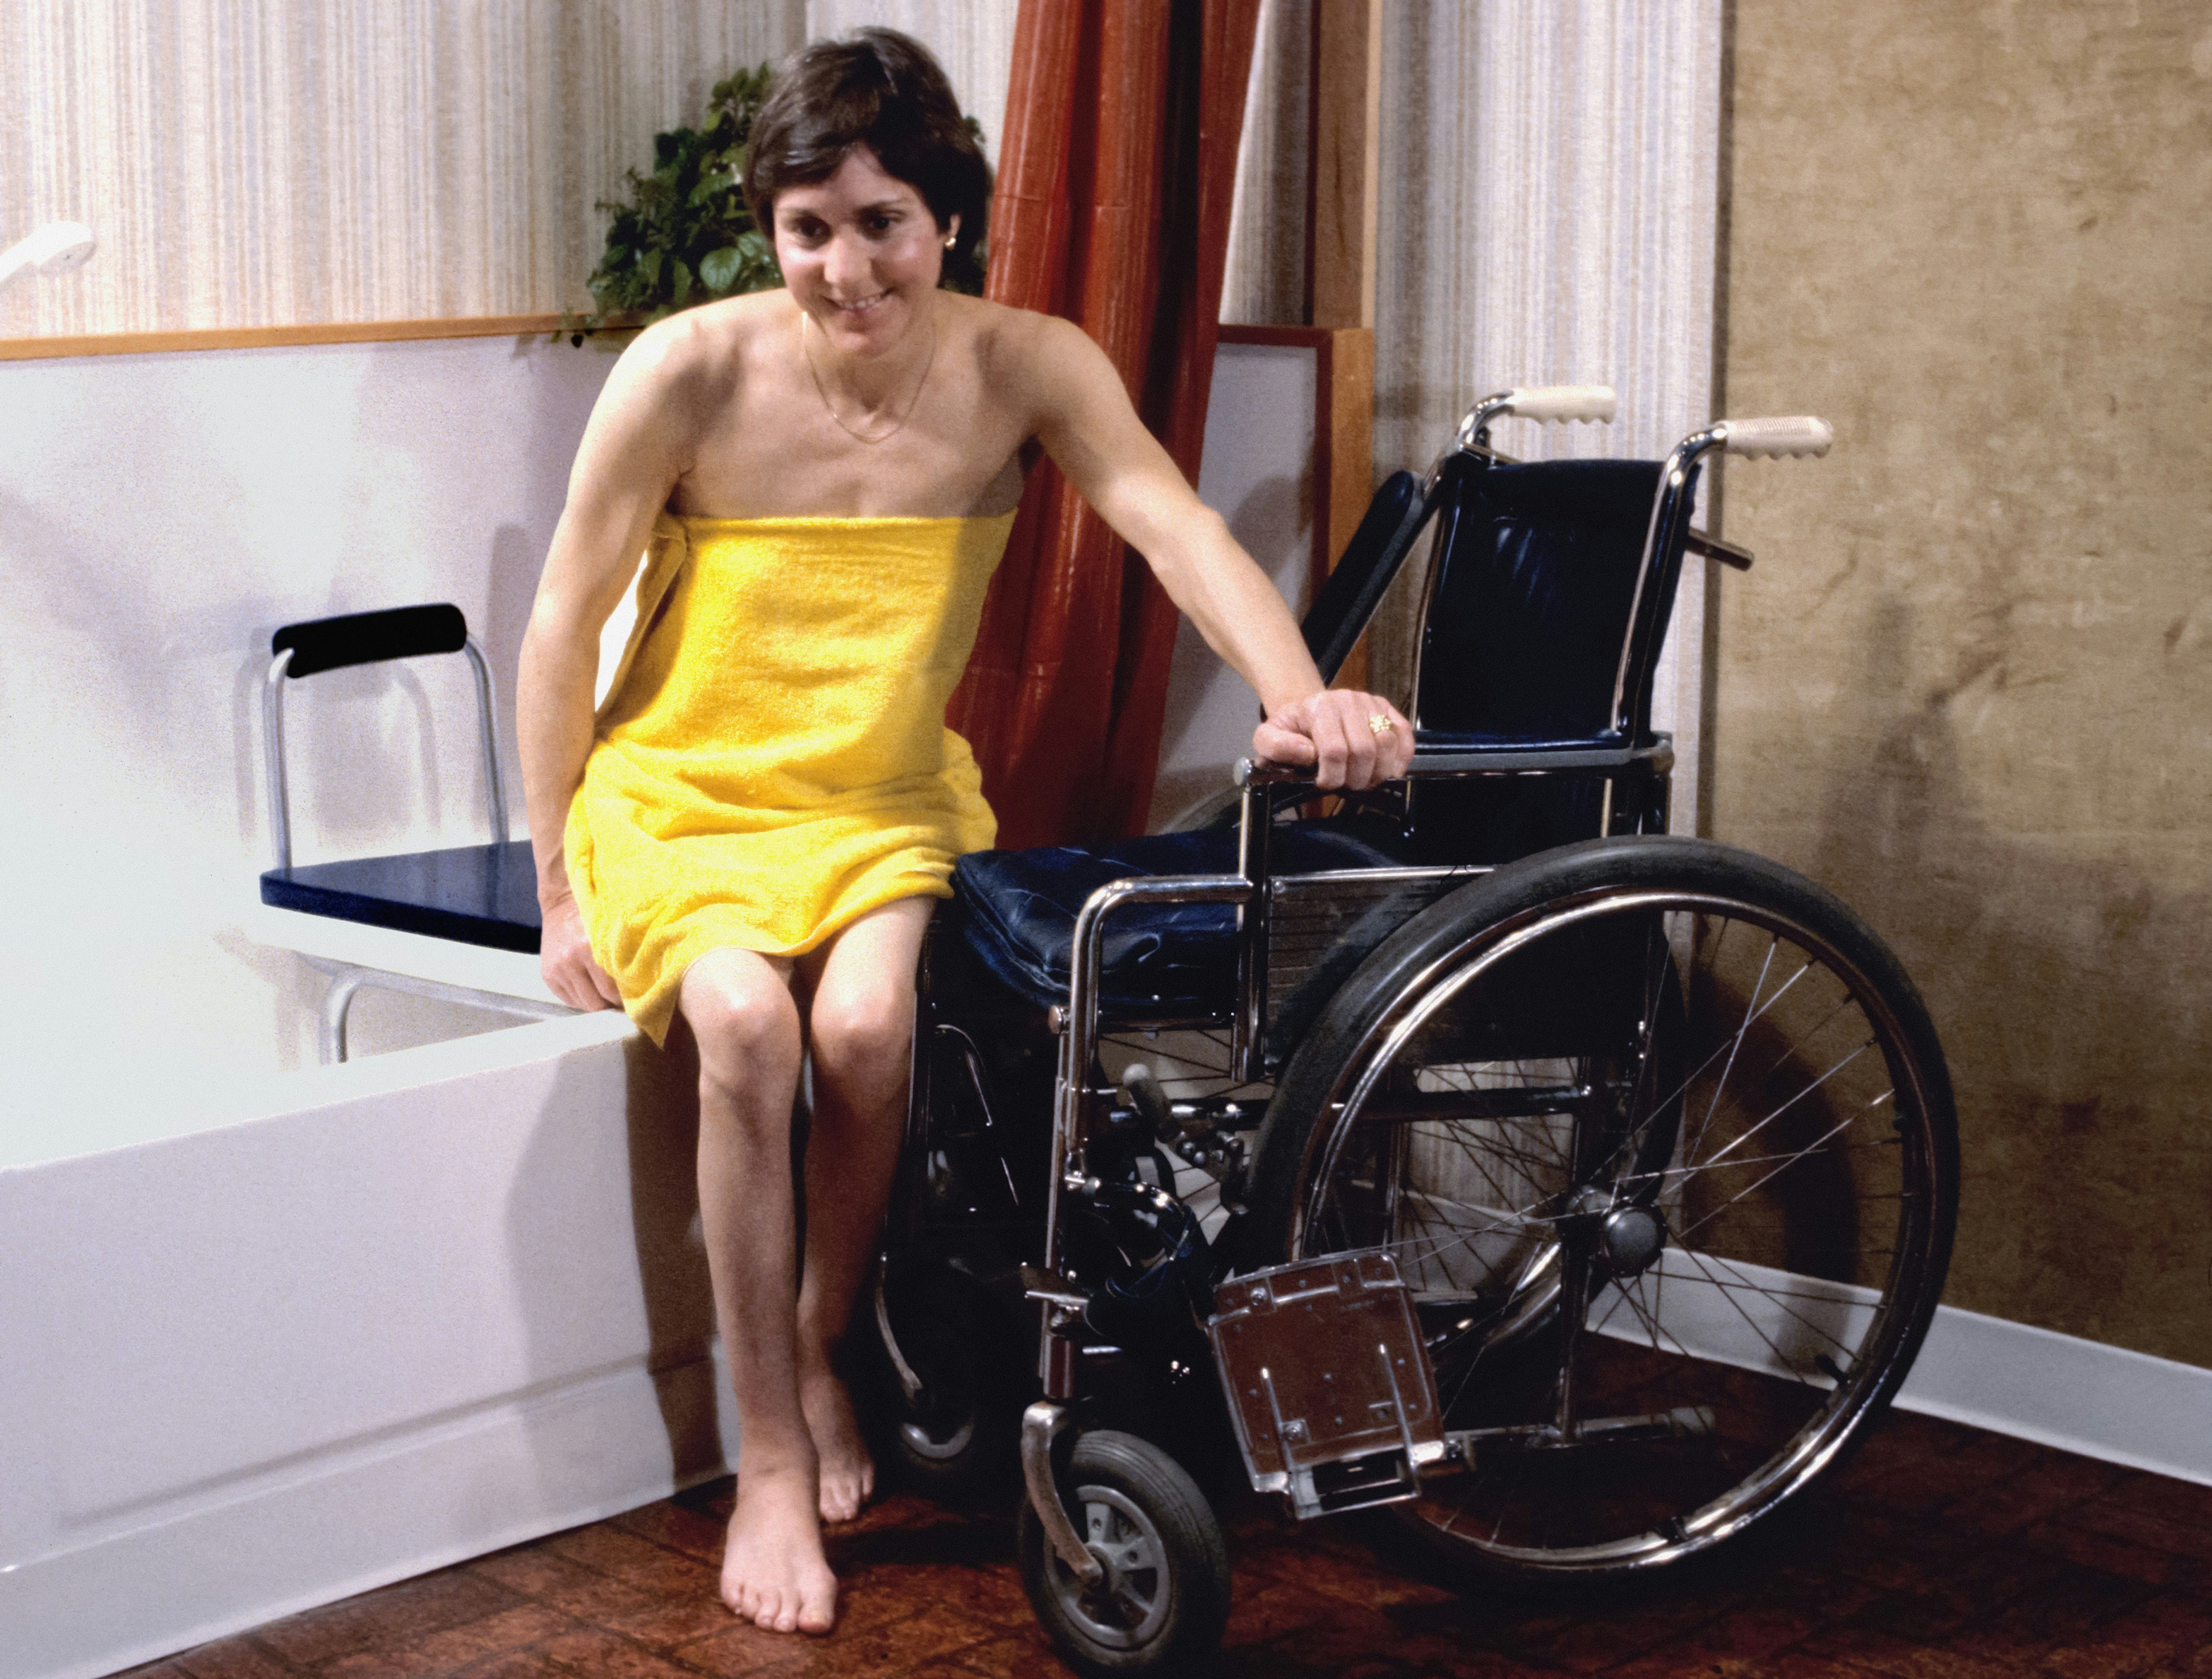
point(264, 337)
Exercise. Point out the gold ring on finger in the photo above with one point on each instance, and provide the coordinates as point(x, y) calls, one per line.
point(1379, 724)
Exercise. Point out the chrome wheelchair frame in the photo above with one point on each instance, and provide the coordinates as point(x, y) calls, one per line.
point(1595, 1181)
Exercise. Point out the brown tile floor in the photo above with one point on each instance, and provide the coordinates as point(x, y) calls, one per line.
point(1944, 1552)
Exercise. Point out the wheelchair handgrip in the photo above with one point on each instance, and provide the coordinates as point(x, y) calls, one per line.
point(1563, 402)
point(369, 637)
point(1792, 434)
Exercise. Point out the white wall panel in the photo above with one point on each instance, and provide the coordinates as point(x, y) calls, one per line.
point(160, 516)
point(1257, 470)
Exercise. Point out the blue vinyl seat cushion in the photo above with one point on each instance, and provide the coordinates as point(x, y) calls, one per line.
point(1158, 961)
point(474, 895)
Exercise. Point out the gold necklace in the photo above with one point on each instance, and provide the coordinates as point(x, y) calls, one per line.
point(830, 407)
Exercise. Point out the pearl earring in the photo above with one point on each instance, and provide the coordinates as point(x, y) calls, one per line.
point(950, 239)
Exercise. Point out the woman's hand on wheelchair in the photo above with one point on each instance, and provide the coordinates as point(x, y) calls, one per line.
point(1347, 738)
point(564, 958)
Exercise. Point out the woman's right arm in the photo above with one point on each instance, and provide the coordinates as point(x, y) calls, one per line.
point(634, 449)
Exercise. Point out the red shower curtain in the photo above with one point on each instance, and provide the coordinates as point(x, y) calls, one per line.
point(1112, 209)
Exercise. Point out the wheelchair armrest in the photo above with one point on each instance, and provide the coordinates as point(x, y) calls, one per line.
point(1441, 756)
point(1448, 756)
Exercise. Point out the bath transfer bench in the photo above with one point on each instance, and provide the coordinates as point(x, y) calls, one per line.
point(460, 924)
point(1576, 1192)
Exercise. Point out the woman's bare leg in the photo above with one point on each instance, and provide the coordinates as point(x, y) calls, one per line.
point(739, 1006)
point(860, 1030)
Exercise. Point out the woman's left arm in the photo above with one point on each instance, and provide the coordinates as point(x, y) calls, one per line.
point(1087, 424)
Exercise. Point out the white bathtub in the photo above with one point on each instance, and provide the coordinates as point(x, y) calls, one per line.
point(271, 1332)
point(349, 1323)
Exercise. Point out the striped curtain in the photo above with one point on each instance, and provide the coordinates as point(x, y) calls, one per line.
point(1264, 284)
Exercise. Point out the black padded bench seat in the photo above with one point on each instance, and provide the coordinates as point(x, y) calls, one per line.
point(1157, 960)
point(474, 895)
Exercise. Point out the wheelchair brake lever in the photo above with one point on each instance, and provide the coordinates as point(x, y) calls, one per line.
point(1142, 1087)
point(1051, 1288)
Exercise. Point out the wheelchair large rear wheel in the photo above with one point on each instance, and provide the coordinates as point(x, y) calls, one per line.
point(1663, 1140)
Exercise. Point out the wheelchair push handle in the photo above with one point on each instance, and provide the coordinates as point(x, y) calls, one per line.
point(1534, 402)
point(1562, 403)
point(1781, 434)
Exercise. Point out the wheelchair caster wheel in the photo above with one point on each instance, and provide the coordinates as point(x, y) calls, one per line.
point(1164, 1599)
point(954, 1438)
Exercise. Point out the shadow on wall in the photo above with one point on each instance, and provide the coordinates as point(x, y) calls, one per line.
point(2075, 1002)
point(1209, 712)
point(581, 1305)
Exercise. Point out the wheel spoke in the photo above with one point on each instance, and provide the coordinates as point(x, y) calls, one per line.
point(1786, 1164)
point(1744, 1136)
point(1734, 1044)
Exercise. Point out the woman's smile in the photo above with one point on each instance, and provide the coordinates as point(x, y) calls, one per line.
point(854, 245)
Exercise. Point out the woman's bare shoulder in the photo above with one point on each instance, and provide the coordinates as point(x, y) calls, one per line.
point(1031, 360)
point(1015, 338)
point(710, 342)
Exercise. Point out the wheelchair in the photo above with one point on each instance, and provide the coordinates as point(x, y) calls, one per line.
point(1472, 1150)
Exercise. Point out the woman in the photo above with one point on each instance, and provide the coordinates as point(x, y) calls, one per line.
point(747, 844)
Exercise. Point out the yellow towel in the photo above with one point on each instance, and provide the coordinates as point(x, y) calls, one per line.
point(774, 761)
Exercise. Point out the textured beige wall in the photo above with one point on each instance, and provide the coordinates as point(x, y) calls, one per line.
point(1969, 685)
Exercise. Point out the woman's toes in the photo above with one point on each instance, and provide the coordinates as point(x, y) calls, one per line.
point(817, 1607)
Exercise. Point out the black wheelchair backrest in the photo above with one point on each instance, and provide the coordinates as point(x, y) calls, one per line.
point(1378, 548)
point(1536, 583)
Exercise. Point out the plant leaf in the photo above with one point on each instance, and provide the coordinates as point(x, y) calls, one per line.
point(718, 269)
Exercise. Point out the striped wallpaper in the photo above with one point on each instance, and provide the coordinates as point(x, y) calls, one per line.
point(280, 162)
point(1549, 171)
point(1263, 282)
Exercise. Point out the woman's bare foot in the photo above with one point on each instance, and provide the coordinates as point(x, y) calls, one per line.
point(847, 1473)
point(773, 1572)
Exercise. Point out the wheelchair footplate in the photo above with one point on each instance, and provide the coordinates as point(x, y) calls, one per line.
point(1331, 1390)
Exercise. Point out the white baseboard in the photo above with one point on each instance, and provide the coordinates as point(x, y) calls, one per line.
point(2056, 1390)
point(2060, 1391)
point(352, 1521)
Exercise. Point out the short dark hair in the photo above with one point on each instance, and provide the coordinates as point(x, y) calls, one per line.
point(876, 88)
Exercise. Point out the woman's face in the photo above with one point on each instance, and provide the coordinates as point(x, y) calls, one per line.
point(860, 253)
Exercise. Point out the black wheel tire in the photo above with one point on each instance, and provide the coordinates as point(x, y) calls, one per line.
point(1166, 1597)
point(1832, 1225)
point(955, 1443)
